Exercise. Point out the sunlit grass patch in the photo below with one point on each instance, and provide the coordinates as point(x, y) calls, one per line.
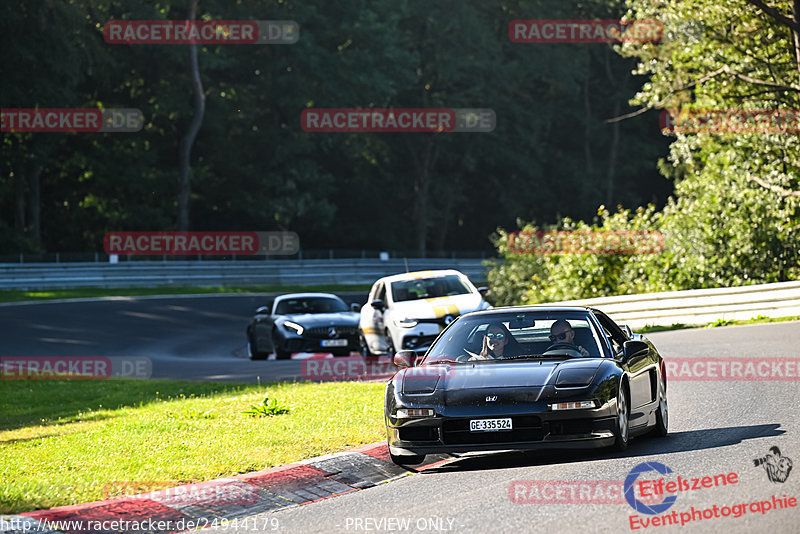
point(63, 442)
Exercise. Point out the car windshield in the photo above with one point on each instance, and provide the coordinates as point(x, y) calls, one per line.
point(522, 334)
point(292, 306)
point(426, 288)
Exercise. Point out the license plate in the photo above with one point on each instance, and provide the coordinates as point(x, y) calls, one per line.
point(489, 425)
point(334, 342)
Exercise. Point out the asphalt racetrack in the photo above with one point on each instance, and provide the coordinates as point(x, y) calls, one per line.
point(717, 428)
point(190, 338)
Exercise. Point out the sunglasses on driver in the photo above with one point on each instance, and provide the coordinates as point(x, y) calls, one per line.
point(559, 337)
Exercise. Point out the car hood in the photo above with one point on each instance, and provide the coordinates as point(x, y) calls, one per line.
point(492, 376)
point(437, 307)
point(311, 320)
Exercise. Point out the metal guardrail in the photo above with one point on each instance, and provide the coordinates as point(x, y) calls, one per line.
point(223, 273)
point(699, 306)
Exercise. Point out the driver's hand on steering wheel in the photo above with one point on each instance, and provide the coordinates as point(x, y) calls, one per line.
point(583, 351)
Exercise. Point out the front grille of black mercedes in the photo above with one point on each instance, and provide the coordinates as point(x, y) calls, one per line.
point(324, 331)
point(439, 320)
point(524, 428)
point(412, 342)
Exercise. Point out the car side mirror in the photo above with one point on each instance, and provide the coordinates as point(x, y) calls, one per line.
point(633, 348)
point(483, 290)
point(355, 307)
point(377, 304)
point(405, 358)
point(263, 310)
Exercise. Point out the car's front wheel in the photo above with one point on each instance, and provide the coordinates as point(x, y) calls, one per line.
point(252, 349)
point(364, 347)
point(390, 344)
point(280, 354)
point(621, 422)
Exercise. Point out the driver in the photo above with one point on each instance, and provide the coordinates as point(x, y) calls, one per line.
point(561, 332)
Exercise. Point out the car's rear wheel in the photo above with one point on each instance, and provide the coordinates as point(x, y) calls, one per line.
point(407, 460)
point(252, 349)
point(621, 422)
point(280, 354)
point(662, 419)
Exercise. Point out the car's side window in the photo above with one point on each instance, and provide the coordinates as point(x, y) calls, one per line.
point(373, 293)
point(614, 335)
point(615, 344)
point(381, 293)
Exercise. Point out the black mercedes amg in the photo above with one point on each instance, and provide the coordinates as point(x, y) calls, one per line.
point(526, 378)
point(303, 322)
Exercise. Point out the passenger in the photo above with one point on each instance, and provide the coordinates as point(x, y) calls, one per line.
point(561, 332)
point(498, 343)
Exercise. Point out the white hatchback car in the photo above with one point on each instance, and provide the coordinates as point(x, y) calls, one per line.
point(407, 311)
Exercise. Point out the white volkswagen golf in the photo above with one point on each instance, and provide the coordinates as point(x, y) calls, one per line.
point(407, 311)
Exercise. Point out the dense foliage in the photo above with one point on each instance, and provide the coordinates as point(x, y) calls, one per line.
point(734, 217)
point(552, 153)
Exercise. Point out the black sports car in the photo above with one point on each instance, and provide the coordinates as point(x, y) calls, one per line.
point(303, 322)
point(526, 378)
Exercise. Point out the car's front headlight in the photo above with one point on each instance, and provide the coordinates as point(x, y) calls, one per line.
point(559, 406)
point(405, 323)
point(296, 328)
point(407, 413)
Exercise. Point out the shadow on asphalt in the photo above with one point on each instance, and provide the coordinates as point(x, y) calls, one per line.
point(690, 440)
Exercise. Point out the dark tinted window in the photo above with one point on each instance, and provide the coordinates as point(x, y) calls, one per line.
point(426, 288)
point(530, 334)
point(310, 305)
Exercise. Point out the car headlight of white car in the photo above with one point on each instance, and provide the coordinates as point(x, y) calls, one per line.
point(405, 323)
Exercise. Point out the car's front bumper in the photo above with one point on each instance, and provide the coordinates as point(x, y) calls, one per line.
point(305, 344)
point(579, 429)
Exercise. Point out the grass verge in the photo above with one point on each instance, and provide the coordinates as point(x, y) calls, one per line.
point(68, 442)
point(719, 322)
point(87, 292)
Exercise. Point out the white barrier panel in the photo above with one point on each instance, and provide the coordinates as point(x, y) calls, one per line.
point(698, 306)
point(224, 273)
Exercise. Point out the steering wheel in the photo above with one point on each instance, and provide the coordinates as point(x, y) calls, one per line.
point(465, 357)
point(564, 348)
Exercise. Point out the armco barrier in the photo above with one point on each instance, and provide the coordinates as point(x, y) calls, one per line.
point(699, 306)
point(222, 273)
